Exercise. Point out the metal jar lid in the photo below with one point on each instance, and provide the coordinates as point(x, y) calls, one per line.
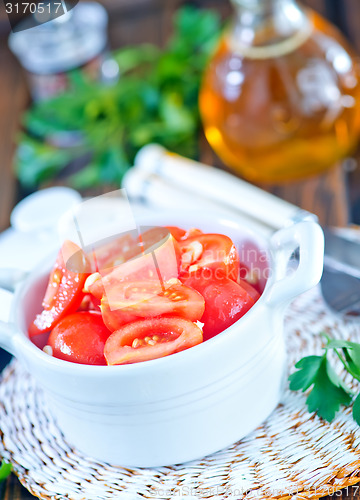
point(64, 43)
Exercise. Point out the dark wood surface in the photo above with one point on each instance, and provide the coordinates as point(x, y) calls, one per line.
point(334, 197)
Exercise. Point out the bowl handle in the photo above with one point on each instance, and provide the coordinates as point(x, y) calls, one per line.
point(308, 238)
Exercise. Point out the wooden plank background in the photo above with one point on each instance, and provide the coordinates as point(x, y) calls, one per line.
point(131, 22)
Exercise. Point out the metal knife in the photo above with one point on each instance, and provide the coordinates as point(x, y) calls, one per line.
point(340, 283)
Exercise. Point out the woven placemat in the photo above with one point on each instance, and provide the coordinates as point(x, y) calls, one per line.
point(293, 453)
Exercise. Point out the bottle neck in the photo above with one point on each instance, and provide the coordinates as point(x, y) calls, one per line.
point(269, 25)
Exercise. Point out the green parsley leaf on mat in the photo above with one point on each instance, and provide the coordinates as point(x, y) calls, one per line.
point(5, 470)
point(327, 391)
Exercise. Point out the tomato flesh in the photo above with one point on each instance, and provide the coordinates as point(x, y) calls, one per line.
point(110, 254)
point(212, 251)
point(152, 262)
point(80, 338)
point(225, 302)
point(63, 294)
point(249, 289)
point(130, 301)
point(150, 339)
point(146, 311)
point(180, 234)
point(176, 232)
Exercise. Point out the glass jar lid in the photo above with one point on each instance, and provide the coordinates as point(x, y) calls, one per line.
point(64, 43)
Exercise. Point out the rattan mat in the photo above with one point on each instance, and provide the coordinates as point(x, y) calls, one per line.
point(293, 454)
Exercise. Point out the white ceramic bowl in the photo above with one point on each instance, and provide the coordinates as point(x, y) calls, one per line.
point(189, 404)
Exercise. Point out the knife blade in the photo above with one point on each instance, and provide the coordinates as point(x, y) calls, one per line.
point(342, 252)
point(340, 283)
point(341, 291)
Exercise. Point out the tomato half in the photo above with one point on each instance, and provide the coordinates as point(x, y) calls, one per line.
point(64, 291)
point(211, 251)
point(150, 339)
point(80, 338)
point(225, 302)
point(157, 258)
point(130, 301)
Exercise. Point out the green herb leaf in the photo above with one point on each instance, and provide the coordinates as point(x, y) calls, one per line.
point(37, 162)
point(327, 393)
point(5, 471)
point(351, 351)
point(308, 368)
point(356, 409)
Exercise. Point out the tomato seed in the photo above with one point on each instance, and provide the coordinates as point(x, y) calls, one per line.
point(156, 338)
point(136, 343)
point(48, 350)
point(151, 342)
point(57, 276)
point(173, 281)
point(91, 280)
point(147, 339)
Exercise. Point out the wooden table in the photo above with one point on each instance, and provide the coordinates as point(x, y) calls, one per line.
point(334, 196)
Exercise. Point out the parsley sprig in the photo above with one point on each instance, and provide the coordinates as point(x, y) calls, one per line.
point(328, 392)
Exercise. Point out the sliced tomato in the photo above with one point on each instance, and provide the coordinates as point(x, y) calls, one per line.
point(180, 234)
point(64, 291)
point(211, 251)
point(113, 253)
point(130, 301)
point(176, 232)
point(250, 289)
point(157, 258)
point(80, 338)
point(191, 233)
point(225, 302)
point(89, 303)
point(150, 339)
point(251, 278)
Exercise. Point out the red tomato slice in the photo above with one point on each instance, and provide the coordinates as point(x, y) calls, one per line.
point(157, 258)
point(245, 276)
point(225, 302)
point(64, 291)
point(176, 232)
point(80, 338)
point(130, 301)
point(250, 289)
point(211, 251)
point(150, 339)
point(180, 234)
point(89, 303)
point(115, 252)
